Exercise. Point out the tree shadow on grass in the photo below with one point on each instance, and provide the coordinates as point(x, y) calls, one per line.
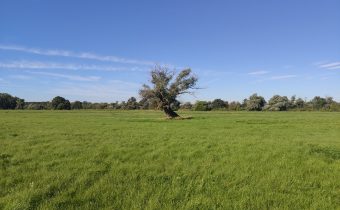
point(179, 118)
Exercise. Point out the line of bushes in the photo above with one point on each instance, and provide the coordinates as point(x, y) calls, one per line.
point(275, 103)
point(253, 103)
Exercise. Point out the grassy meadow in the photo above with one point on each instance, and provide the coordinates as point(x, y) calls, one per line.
point(138, 160)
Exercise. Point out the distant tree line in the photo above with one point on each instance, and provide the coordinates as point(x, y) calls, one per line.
point(282, 103)
point(253, 103)
point(275, 103)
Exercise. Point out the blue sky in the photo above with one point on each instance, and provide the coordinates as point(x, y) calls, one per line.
point(103, 50)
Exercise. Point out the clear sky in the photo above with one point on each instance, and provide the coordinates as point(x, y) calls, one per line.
point(103, 50)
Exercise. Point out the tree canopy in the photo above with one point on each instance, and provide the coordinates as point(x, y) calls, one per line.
point(255, 102)
point(165, 88)
point(8, 101)
point(60, 103)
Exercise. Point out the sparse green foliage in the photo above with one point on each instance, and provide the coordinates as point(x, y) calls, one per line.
point(166, 88)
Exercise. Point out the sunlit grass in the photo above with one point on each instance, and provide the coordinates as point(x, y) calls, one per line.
point(138, 160)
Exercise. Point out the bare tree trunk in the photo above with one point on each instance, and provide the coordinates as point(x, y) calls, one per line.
point(170, 113)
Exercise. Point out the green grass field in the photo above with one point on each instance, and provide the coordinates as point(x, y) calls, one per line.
point(139, 160)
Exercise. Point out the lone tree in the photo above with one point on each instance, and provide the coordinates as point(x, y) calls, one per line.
point(166, 88)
